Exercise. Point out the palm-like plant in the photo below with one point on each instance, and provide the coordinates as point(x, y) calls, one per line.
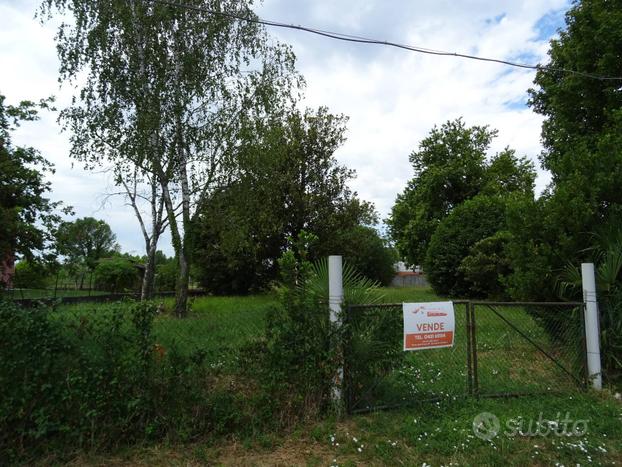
point(608, 262)
point(357, 288)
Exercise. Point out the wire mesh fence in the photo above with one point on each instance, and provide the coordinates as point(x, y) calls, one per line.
point(527, 347)
point(379, 374)
point(500, 349)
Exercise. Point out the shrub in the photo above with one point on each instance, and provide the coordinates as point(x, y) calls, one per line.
point(368, 253)
point(29, 275)
point(116, 274)
point(467, 224)
point(487, 266)
point(608, 263)
point(303, 348)
point(300, 360)
point(97, 380)
point(166, 275)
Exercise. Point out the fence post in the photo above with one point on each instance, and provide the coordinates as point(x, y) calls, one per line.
point(592, 331)
point(335, 300)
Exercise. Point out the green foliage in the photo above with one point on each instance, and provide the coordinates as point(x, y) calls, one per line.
point(469, 223)
point(116, 274)
point(94, 380)
point(451, 167)
point(582, 139)
point(287, 180)
point(85, 241)
point(303, 349)
point(367, 252)
point(607, 256)
point(166, 95)
point(30, 275)
point(487, 266)
point(300, 360)
point(27, 216)
point(582, 115)
point(166, 275)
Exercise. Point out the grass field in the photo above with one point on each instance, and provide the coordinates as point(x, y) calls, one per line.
point(427, 433)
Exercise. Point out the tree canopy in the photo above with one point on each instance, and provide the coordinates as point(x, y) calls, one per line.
point(27, 216)
point(287, 181)
point(85, 241)
point(167, 90)
point(451, 166)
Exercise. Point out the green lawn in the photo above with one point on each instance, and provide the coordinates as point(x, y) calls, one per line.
point(433, 432)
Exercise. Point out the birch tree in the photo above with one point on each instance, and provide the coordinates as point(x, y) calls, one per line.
point(167, 90)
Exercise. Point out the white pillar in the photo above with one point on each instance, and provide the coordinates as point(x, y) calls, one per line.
point(335, 300)
point(592, 330)
point(335, 287)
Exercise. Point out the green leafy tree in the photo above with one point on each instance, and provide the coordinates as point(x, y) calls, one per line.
point(27, 215)
point(30, 275)
point(367, 252)
point(287, 181)
point(582, 137)
point(487, 266)
point(451, 167)
point(468, 224)
point(166, 92)
point(83, 243)
point(116, 274)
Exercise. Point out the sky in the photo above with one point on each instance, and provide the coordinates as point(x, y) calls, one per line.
point(393, 97)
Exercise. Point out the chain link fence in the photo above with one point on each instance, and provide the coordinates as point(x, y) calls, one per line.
point(379, 374)
point(527, 347)
point(500, 349)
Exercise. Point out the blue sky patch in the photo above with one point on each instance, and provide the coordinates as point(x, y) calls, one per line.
point(547, 26)
point(496, 20)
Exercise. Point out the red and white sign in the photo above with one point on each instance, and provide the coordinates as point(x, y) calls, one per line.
point(428, 325)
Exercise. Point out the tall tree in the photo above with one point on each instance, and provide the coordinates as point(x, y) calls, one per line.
point(583, 116)
point(27, 216)
point(582, 130)
point(451, 167)
point(582, 138)
point(84, 242)
point(167, 89)
point(287, 181)
point(143, 189)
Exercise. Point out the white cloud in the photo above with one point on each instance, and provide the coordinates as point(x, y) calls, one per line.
point(393, 97)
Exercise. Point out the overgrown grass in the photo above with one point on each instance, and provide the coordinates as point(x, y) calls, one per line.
point(223, 331)
point(430, 434)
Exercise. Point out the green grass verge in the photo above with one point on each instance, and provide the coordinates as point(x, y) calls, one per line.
point(430, 434)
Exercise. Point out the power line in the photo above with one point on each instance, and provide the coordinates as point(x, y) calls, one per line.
point(366, 40)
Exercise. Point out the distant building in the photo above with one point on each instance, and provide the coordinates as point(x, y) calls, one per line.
point(408, 277)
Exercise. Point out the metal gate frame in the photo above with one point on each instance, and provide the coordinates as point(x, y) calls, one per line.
point(472, 376)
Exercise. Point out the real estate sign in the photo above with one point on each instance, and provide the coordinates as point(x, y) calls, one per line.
point(428, 325)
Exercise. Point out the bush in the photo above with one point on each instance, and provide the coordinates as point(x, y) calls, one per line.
point(116, 274)
point(467, 224)
point(29, 275)
point(487, 266)
point(300, 360)
point(368, 253)
point(166, 275)
point(97, 380)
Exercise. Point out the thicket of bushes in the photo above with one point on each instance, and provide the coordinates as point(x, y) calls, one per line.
point(96, 380)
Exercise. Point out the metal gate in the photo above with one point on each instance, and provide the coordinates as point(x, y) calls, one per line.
point(500, 349)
